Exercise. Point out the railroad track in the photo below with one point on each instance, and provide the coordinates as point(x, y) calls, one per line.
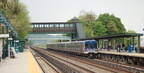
point(91, 65)
point(64, 66)
point(118, 66)
point(78, 64)
point(44, 64)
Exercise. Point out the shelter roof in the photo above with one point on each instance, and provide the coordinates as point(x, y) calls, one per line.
point(112, 36)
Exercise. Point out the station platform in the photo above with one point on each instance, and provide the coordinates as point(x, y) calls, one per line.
point(24, 62)
point(133, 53)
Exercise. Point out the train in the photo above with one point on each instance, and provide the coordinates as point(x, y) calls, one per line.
point(88, 48)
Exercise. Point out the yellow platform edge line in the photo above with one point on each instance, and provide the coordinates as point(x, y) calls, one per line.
point(32, 66)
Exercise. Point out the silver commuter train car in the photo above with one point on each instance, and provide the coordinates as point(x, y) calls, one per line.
point(88, 47)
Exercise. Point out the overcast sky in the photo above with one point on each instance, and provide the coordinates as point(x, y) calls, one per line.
point(131, 12)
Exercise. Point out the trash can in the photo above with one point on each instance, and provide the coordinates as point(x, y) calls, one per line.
point(16, 49)
point(130, 48)
point(21, 45)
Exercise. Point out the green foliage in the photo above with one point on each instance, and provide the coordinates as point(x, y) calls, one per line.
point(65, 34)
point(111, 28)
point(1, 5)
point(87, 18)
point(131, 31)
point(99, 29)
point(105, 24)
point(87, 31)
point(106, 19)
point(18, 16)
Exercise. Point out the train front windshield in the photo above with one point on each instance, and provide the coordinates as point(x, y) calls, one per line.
point(90, 45)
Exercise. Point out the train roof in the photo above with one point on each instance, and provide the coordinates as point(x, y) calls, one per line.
point(74, 41)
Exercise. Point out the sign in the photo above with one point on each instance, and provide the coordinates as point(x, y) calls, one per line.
point(16, 41)
point(4, 35)
point(10, 38)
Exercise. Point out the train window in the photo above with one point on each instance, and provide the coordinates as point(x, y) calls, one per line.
point(86, 46)
point(91, 46)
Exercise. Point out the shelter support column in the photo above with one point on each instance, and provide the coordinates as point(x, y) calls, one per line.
point(133, 44)
point(138, 49)
point(6, 46)
point(128, 43)
point(102, 43)
point(115, 44)
point(98, 45)
point(3, 44)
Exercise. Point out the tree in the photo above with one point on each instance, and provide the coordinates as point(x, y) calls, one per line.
point(99, 29)
point(88, 18)
point(111, 28)
point(18, 16)
point(87, 31)
point(1, 5)
point(131, 31)
point(104, 24)
point(106, 18)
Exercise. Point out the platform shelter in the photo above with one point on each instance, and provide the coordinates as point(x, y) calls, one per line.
point(8, 35)
point(115, 39)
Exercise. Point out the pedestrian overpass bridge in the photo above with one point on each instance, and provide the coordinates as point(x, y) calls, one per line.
point(40, 29)
point(73, 28)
